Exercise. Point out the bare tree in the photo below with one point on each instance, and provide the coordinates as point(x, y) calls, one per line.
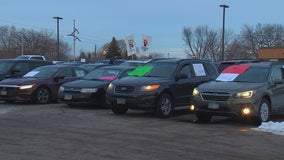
point(261, 36)
point(201, 42)
point(15, 42)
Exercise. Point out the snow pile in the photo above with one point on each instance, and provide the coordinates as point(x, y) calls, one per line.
point(272, 127)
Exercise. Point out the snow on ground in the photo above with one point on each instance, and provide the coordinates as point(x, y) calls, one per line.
point(272, 127)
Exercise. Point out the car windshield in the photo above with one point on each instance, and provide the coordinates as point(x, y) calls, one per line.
point(5, 66)
point(161, 69)
point(251, 75)
point(42, 72)
point(107, 74)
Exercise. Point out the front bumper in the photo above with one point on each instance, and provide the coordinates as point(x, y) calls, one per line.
point(231, 107)
point(81, 99)
point(137, 101)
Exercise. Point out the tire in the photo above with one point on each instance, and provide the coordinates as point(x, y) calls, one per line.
point(43, 95)
point(203, 117)
point(164, 106)
point(119, 109)
point(263, 112)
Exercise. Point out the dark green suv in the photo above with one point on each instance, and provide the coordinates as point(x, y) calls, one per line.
point(253, 90)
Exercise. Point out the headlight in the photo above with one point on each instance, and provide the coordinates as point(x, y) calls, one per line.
point(110, 86)
point(27, 86)
point(61, 89)
point(195, 92)
point(246, 94)
point(150, 87)
point(89, 90)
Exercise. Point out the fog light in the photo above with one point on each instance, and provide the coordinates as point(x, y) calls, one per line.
point(246, 111)
point(191, 108)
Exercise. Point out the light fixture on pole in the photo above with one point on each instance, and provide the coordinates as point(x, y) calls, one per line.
point(57, 18)
point(223, 30)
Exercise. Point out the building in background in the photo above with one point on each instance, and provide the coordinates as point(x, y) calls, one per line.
point(271, 53)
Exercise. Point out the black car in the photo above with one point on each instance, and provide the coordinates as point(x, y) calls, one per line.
point(159, 85)
point(249, 90)
point(18, 67)
point(91, 89)
point(39, 85)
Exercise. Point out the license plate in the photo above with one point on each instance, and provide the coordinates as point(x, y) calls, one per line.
point(213, 106)
point(67, 96)
point(3, 93)
point(120, 101)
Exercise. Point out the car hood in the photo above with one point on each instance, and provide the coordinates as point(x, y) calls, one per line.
point(218, 86)
point(83, 83)
point(139, 81)
point(18, 81)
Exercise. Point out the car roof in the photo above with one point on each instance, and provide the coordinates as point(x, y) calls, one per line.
point(26, 60)
point(61, 66)
point(118, 67)
point(264, 63)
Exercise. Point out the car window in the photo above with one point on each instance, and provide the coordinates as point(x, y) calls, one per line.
point(42, 72)
point(210, 70)
point(125, 74)
point(103, 74)
point(66, 72)
point(22, 66)
point(199, 69)
point(79, 72)
point(276, 74)
point(186, 70)
point(5, 66)
point(253, 75)
point(161, 69)
point(37, 58)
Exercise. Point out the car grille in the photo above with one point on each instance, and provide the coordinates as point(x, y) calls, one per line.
point(124, 89)
point(215, 96)
point(71, 89)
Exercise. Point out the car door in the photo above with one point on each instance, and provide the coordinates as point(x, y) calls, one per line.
point(277, 89)
point(182, 88)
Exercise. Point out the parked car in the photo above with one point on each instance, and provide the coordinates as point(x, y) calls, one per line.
point(160, 85)
point(18, 67)
point(134, 63)
point(31, 57)
point(92, 66)
point(252, 90)
point(92, 88)
point(113, 62)
point(39, 85)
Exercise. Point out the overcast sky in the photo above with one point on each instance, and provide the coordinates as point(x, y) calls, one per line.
point(100, 20)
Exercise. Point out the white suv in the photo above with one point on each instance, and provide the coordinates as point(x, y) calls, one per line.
point(31, 57)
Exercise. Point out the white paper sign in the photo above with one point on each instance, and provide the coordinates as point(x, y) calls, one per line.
point(199, 69)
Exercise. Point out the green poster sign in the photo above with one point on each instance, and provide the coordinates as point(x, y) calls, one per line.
point(140, 71)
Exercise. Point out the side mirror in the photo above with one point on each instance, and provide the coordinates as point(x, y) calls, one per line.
point(57, 78)
point(180, 76)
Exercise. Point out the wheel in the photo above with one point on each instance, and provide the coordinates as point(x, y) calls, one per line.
point(42, 95)
point(264, 112)
point(119, 109)
point(164, 105)
point(203, 117)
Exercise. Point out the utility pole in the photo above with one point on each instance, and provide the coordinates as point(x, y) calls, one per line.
point(73, 34)
point(223, 31)
point(57, 18)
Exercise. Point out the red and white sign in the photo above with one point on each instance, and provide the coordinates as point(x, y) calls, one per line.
point(231, 72)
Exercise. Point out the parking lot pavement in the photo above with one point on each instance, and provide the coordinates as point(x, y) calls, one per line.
point(55, 131)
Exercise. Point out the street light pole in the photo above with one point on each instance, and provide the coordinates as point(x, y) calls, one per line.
point(57, 18)
point(223, 30)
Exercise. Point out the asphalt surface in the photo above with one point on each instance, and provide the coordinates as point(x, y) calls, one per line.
point(57, 132)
